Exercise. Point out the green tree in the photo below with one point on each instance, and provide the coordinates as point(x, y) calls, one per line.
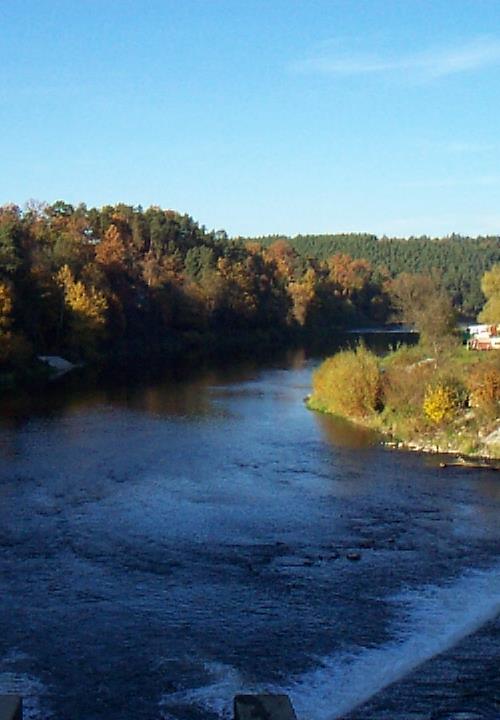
point(199, 260)
point(10, 240)
point(420, 301)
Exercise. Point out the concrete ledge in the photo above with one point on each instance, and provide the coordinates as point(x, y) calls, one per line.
point(263, 707)
point(11, 707)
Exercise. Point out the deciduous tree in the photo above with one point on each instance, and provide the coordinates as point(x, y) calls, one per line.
point(420, 302)
point(85, 313)
point(490, 285)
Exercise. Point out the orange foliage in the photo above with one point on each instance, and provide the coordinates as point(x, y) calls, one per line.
point(347, 274)
point(111, 251)
point(303, 294)
point(484, 386)
point(283, 255)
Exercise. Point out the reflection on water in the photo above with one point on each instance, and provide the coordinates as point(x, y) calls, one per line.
point(180, 391)
point(341, 433)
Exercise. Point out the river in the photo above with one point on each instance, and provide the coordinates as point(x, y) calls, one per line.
point(164, 546)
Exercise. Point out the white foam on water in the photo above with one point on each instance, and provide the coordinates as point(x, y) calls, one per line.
point(431, 620)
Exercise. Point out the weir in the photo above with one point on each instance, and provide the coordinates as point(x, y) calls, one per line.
point(11, 707)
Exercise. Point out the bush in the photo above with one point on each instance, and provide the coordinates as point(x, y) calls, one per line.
point(484, 387)
point(403, 385)
point(348, 384)
point(442, 400)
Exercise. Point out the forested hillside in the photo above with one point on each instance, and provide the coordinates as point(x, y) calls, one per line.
point(123, 283)
point(461, 261)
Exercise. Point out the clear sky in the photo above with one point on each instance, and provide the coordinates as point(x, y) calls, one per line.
point(258, 116)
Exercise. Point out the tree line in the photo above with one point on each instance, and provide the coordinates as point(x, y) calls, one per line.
point(460, 260)
point(124, 283)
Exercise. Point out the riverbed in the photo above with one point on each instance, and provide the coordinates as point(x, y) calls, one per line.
point(168, 544)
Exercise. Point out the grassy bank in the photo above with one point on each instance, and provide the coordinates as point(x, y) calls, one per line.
point(442, 399)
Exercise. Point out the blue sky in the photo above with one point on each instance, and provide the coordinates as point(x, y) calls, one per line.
point(277, 116)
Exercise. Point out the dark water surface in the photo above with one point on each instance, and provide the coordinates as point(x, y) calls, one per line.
point(163, 547)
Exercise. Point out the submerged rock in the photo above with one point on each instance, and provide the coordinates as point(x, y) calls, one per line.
point(353, 556)
point(367, 544)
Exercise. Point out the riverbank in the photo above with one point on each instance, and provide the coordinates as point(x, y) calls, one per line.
point(482, 448)
point(472, 446)
point(446, 403)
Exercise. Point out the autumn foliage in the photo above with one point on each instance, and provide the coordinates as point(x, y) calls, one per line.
point(490, 285)
point(484, 387)
point(450, 402)
point(84, 313)
point(348, 384)
point(126, 283)
point(122, 282)
point(441, 402)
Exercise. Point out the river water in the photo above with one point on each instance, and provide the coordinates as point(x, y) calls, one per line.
point(165, 546)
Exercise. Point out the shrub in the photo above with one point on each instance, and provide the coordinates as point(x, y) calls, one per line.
point(404, 384)
point(484, 387)
point(442, 400)
point(348, 384)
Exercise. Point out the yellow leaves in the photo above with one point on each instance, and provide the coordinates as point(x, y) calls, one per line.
point(440, 403)
point(89, 303)
point(87, 314)
point(348, 384)
point(303, 294)
point(64, 277)
point(490, 285)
